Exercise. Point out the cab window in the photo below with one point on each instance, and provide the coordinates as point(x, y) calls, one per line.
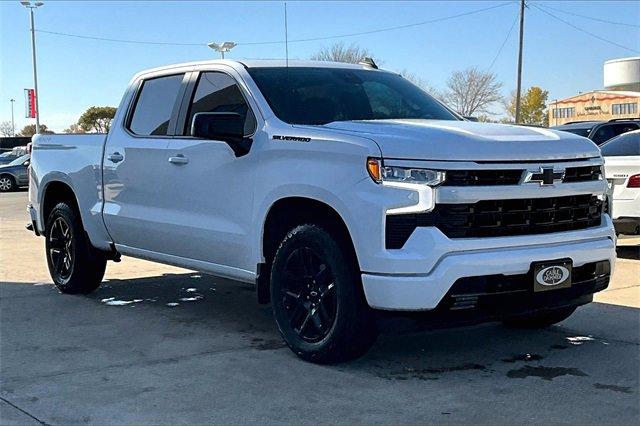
point(218, 92)
point(154, 105)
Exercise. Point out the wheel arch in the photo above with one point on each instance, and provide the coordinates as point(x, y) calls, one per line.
point(285, 214)
point(54, 192)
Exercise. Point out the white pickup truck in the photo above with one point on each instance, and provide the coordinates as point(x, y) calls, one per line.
point(339, 190)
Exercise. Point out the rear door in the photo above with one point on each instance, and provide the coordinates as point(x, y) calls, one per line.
point(136, 173)
point(622, 163)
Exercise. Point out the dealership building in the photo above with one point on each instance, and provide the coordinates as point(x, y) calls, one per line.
point(620, 97)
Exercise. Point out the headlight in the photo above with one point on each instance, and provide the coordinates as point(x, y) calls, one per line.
point(381, 173)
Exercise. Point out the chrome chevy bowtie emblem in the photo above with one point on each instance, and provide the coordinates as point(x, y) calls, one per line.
point(545, 176)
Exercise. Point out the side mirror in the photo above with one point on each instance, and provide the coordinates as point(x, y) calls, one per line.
point(222, 126)
point(468, 118)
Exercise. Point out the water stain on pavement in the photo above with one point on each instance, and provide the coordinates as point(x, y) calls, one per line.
point(523, 357)
point(266, 345)
point(429, 373)
point(545, 373)
point(615, 388)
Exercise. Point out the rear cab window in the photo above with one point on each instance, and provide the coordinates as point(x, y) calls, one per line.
point(154, 105)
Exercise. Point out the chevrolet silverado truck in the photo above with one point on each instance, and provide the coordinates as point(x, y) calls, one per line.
point(339, 190)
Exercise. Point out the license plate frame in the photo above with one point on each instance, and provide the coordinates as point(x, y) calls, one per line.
point(552, 275)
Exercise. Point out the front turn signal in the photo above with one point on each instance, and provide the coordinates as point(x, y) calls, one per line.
point(375, 170)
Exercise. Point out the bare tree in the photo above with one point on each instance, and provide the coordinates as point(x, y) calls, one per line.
point(338, 52)
point(472, 91)
point(6, 129)
point(413, 78)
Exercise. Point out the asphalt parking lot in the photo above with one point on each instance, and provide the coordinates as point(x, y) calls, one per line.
point(162, 345)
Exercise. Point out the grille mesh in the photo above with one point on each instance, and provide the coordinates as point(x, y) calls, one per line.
point(495, 218)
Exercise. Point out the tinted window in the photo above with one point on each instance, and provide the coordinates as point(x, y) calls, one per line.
point(19, 160)
point(218, 92)
point(152, 112)
point(322, 95)
point(609, 131)
point(627, 144)
point(580, 132)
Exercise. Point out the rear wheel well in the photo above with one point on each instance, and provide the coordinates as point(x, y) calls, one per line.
point(57, 192)
point(287, 213)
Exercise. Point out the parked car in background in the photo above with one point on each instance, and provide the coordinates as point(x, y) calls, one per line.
point(622, 171)
point(600, 131)
point(9, 156)
point(15, 174)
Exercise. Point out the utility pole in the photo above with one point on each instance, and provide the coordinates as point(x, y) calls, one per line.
point(13, 123)
point(31, 7)
point(519, 86)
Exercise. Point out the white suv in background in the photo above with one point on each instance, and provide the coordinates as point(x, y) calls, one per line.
point(622, 170)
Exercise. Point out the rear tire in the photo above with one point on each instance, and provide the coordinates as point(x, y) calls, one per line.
point(317, 298)
point(541, 319)
point(7, 183)
point(75, 266)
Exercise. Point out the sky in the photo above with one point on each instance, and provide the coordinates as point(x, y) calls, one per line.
point(76, 73)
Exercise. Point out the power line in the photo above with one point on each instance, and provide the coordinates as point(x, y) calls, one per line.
point(380, 30)
point(495, 58)
point(256, 43)
point(584, 31)
point(117, 40)
point(589, 17)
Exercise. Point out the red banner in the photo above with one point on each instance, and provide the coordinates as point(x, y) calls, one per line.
point(30, 103)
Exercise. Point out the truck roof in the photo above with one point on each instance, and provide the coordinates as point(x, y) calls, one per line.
point(264, 63)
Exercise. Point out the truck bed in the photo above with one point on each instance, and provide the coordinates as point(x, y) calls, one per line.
point(75, 160)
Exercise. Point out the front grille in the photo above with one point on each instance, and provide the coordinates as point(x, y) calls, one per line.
point(582, 174)
point(513, 176)
point(497, 218)
point(482, 177)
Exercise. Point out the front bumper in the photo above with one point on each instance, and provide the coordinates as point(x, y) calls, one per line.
point(418, 292)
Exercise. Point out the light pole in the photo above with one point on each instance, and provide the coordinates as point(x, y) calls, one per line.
point(31, 7)
point(13, 123)
point(224, 47)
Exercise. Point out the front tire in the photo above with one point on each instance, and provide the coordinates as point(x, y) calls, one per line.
point(7, 183)
point(317, 298)
point(75, 266)
point(541, 319)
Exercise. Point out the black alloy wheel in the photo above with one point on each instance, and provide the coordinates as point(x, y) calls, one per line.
point(317, 297)
point(309, 295)
point(60, 249)
point(75, 266)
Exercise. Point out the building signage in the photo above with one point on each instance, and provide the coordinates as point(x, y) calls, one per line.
point(30, 103)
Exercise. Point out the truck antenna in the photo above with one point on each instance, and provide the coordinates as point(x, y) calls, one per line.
point(286, 36)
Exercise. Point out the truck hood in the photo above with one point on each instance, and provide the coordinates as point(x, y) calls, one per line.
point(468, 141)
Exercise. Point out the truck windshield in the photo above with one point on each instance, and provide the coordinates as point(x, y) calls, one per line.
point(302, 95)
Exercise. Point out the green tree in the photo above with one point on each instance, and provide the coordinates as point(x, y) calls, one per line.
point(30, 130)
point(97, 119)
point(533, 107)
point(73, 128)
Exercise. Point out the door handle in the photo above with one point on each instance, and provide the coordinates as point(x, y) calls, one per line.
point(179, 159)
point(116, 157)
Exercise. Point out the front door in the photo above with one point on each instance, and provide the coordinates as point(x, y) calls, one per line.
point(211, 188)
